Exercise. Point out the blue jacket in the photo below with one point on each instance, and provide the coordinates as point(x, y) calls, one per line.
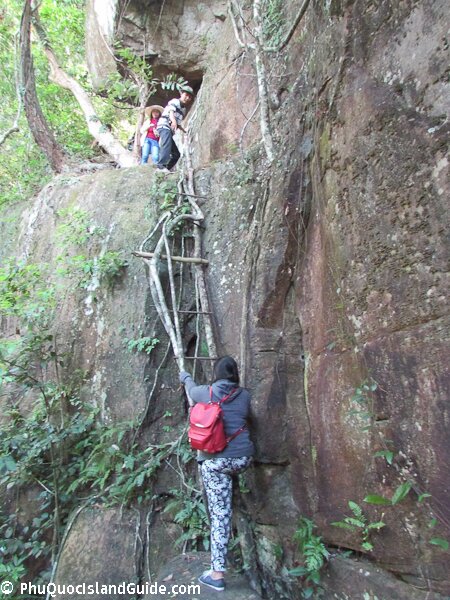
point(235, 414)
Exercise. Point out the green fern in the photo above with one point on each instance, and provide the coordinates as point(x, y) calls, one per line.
point(359, 524)
point(314, 555)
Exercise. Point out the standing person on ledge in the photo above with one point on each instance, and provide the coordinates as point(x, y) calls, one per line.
point(168, 124)
point(217, 469)
point(149, 136)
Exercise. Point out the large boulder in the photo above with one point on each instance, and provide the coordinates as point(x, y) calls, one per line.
point(96, 533)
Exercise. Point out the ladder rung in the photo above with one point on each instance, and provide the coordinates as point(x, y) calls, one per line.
point(193, 312)
point(200, 358)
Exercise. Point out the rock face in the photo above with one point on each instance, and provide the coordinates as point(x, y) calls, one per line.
point(100, 17)
point(93, 320)
point(344, 281)
point(100, 533)
point(327, 274)
point(174, 36)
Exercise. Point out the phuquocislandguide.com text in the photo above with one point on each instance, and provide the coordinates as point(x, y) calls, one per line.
point(124, 588)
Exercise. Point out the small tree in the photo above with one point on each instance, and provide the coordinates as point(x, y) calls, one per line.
point(39, 127)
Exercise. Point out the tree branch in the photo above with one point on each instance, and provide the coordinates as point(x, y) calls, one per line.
point(105, 138)
point(186, 259)
point(39, 127)
point(290, 33)
point(15, 126)
point(10, 131)
point(258, 49)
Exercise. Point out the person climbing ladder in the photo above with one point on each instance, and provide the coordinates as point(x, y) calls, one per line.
point(170, 121)
point(218, 469)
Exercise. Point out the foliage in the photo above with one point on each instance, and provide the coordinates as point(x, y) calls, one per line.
point(34, 451)
point(104, 268)
point(314, 555)
point(12, 570)
point(359, 523)
point(273, 22)
point(163, 192)
point(142, 344)
point(442, 543)
point(23, 169)
point(90, 268)
point(77, 227)
point(138, 79)
point(24, 291)
point(135, 82)
point(189, 511)
point(400, 494)
point(51, 440)
point(387, 454)
point(108, 465)
point(363, 398)
point(59, 446)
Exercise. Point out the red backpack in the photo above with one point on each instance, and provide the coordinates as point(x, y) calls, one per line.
point(206, 430)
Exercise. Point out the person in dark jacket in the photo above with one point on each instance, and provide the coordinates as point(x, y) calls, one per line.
point(217, 469)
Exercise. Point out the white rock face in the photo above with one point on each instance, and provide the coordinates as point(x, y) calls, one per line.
point(105, 12)
point(174, 36)
point(100, 19)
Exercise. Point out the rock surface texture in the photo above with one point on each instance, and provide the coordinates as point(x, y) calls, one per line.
point(328, 274)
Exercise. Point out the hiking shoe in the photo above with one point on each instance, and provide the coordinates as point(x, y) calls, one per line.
point(215, 584)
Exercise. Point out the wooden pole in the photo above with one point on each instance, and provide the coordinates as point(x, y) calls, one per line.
point(187, 259)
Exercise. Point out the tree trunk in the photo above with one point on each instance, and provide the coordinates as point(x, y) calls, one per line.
point(39, 127)
point(105, 138)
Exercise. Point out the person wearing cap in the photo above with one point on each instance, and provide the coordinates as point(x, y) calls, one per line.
point(149, 135)
point(168, 124)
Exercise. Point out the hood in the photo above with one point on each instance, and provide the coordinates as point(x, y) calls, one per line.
point(222, 387)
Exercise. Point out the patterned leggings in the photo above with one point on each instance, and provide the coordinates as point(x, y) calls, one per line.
point(217, 480)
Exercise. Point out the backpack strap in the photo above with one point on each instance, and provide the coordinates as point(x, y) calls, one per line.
point(222, 400)
point(236, 433)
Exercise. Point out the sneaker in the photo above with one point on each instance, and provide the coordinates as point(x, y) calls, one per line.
point(162, 170)
point(215, 584)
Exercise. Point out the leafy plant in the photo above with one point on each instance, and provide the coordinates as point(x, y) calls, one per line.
point(24, 291)
point(400, 494)
point(77, 228)
point(314, 555)
point(11, 570)
point(189, 512)
point(173, 81)
point(359, 523)
point(163, 193)
point(441, 542)
point(104, 268)
point(54, 444)
point(143, 344)
point(273, 21)
point(363, 398)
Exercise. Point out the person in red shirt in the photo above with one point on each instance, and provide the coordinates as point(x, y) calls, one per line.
point(149, 135)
